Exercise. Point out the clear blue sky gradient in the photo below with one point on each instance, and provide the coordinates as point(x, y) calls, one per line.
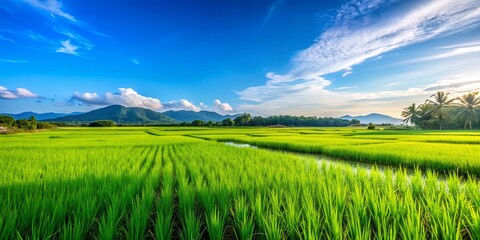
point(263, 57)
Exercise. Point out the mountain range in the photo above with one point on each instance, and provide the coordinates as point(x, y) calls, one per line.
point(118, 114)
point(136, 115)
point(375, 118)
point(41, 116)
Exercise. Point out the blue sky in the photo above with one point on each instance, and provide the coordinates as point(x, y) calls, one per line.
point(323, 58)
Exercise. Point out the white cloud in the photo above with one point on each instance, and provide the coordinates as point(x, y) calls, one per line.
point(358, 34)
point(345, 88)
point(6, 39)
point(53, 7)
point(451, 53)
point(181, 104)
point(218, 106)
point(67, 48)
point(18, 93)
point(460, 45)
point(12, 60)
point(125, 96)
point(346, 73)
point(130, 98)
point(135, 61)
point(271, 10)
point(74, 36)
point(223, 108)
point(314, 100)
point(348, 44)
point(203, 106)
point(60, 22)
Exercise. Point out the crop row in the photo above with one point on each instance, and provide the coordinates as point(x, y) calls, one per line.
point(191, 189)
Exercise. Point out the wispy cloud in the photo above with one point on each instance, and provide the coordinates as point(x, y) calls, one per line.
point(72, 35)
point(271, 10)
point(455, 52)
point(60, 21)
point(53, 7)
point(346, 73)
point(12, 60)
point(135, 61)
point(345, 88)
point(16, 94)
point(28, 35)
point(314, 100)
point(360, 32)
point(460, 45)
point(6, 39)
point(68, 48)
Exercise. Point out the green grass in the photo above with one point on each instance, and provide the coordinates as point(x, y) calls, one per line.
point(125, 183)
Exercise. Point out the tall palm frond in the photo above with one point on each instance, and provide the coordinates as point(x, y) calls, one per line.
point(441, 106)
point(469, 105)
point(410, 114)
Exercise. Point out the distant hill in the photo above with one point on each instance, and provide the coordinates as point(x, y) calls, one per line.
point(375, 118)
point(40, 116)
point(189, 116)
point(120, 115)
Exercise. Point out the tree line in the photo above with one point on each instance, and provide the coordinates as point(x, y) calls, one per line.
point(443, 112)
point(30, 124)
point(283, 120)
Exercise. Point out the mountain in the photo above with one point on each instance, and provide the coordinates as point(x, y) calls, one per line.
point(40, 116)
point(188, 116)
point(120, 115)
point(375, 118)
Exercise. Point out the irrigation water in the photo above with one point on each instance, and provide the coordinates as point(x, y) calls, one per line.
point(329, 161)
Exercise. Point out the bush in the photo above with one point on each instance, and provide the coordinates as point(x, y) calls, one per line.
point(371, 126)
point(6, 121)
point(102, 123)
point(45, 125)
point(22, 124)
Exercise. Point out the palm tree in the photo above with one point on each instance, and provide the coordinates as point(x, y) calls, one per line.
point(469, 103)
point(411, 114)
point(441, 106)
point(424, 114)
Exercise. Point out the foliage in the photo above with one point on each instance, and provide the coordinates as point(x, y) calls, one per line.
point(355, 121)
point(371, 126)
point(228, 122)
point(102, 123)
point(468, 108)
point(24, 124)
point(45, 125)
point(285, 120)
point(243, 120)
point(198, 123)
point(442, 112)
point(6, 120)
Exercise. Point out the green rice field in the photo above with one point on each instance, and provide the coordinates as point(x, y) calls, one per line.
point(185, 183)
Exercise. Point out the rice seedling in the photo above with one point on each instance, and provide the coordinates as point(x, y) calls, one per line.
point(128, 184)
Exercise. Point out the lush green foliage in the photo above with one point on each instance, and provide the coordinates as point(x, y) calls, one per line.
point(294, 121)
point(135, 183)
point(102, 123)
point(6, 121)
point(443, 112)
